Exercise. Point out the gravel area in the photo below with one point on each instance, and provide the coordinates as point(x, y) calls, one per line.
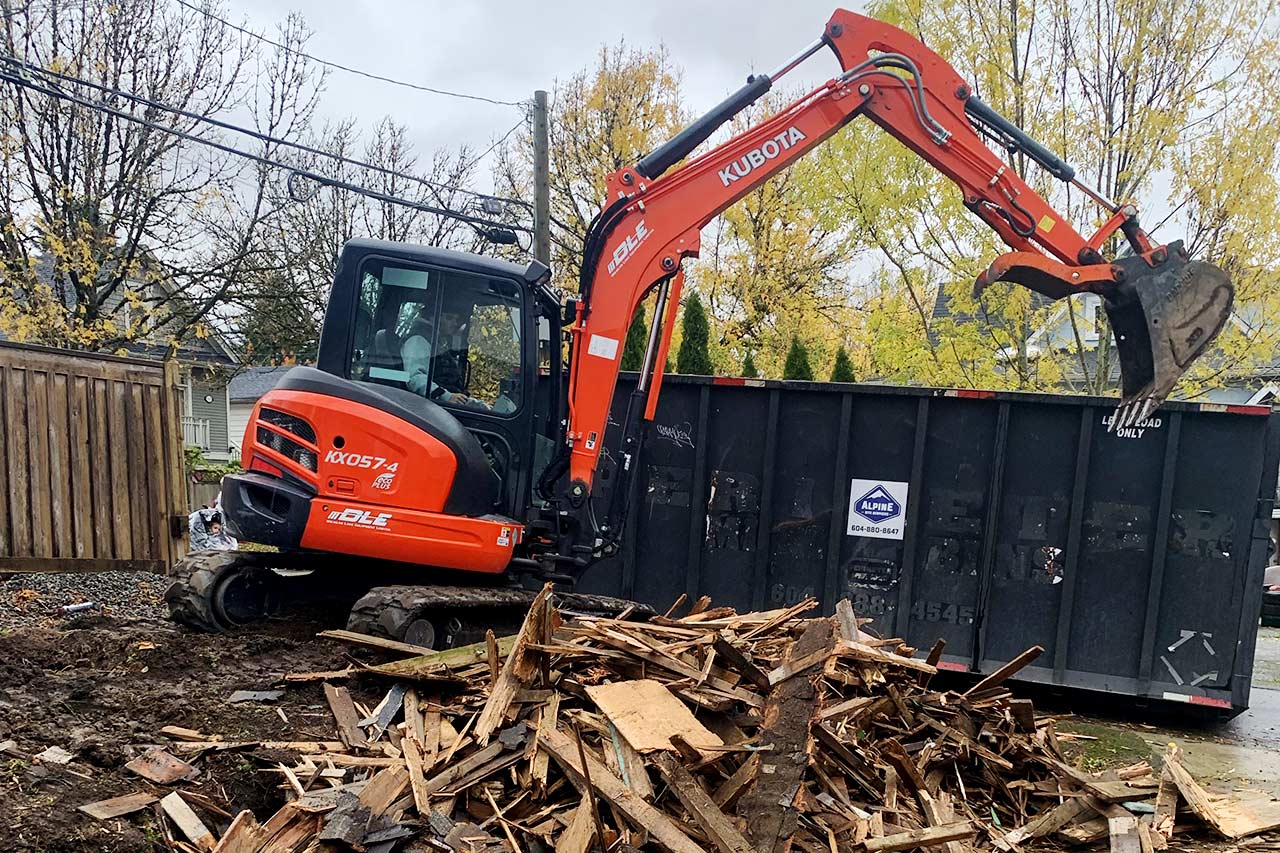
point(38, 599)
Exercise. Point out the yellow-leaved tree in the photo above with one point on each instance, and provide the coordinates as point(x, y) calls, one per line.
point(1168, 104)
point(602, 118)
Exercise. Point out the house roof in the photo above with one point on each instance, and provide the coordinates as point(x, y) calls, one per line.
point(249, 385)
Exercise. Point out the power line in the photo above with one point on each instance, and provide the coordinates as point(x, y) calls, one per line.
point(209, 14)
point(501, 140)
point(263, 137)
point(53, 91)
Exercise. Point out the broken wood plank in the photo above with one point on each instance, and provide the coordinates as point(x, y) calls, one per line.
point(581, 831)
point(433, 663)
point(417, 780)
point(244, 835)
point(634, 770)
point(118, 806)
point(369, 641)
point(1003, 673)
point(384, 788)
point(1050, 821)
point(1166, 799)
point(187, 822)
point(785, 731)
point(647, 715)
point(331, 675)
point(344, 713)
point(519, 666)
point(705, 813)
point(1124, 834)
point(663, 831)
point(734, 656)
point(861, 651)
point(929, 837)
point(1227, 817)
point(157, 765)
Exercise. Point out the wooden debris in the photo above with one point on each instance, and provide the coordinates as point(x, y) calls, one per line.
point(157, 765)
point(1124, 834)
point(664, 831)
point(344, 712)
point(716, 731)
point(705, 813)
point(118, 806)
point(518, 667)
point(768, 806)
point(1001, 675)
point(917, 838)
point(187, 822)
point(647, 715)
point(372, 642)
point(243, 836)
point(1230, 819)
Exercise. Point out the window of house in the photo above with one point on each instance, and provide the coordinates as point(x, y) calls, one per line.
point(451, 337)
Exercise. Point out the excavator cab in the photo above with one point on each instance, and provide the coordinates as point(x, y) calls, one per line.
point(413, 438)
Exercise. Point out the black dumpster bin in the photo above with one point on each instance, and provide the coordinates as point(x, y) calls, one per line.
point(991, 520)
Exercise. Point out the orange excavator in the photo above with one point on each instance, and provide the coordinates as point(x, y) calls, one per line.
point(436, 458)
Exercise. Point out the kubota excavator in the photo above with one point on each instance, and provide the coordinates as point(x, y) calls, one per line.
point(436, 445)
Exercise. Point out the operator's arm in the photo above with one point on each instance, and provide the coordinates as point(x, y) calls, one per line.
point(416, 355)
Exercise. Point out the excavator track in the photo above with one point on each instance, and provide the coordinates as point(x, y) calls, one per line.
point(199, 581)
point(442, 617)
point(217, 591)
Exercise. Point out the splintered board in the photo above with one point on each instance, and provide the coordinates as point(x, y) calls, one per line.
point(647, 715)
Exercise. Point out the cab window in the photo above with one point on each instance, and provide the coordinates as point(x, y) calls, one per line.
point(452, 337)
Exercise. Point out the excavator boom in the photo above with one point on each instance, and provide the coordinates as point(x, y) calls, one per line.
point(1164, 307)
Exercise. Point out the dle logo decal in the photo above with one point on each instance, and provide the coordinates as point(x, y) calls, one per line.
point(628, 246)
point(757, 157)
point(358, 518)
point(877, 506)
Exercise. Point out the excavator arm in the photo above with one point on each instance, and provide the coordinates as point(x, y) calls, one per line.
point(1163, 307)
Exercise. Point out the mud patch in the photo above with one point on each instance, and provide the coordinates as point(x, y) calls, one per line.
point(102, 687)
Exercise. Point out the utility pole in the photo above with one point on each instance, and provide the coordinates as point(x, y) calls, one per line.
point(541, 180)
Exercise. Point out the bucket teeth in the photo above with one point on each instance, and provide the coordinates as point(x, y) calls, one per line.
point(1163, 318)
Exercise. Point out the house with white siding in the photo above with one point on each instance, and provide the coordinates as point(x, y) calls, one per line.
point(243, 393)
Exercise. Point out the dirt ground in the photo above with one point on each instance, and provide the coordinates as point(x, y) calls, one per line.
point(102, 686)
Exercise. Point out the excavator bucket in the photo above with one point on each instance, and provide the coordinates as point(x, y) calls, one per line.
point(1163, 318)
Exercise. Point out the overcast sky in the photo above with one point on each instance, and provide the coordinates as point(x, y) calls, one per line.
point(505, 49)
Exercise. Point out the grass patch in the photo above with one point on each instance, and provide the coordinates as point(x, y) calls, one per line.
point(1114, 747)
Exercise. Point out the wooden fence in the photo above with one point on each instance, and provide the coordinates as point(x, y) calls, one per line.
point(92, 450)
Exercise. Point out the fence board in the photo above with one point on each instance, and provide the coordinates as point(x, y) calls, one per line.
point(93, 449)
point(81, 482)
point(99, 461)
point(18, 464)
point(121, 515)
point(5, 385)
point(59, 466)
point(38, 450)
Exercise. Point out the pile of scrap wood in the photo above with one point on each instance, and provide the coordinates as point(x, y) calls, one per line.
point(713, 731)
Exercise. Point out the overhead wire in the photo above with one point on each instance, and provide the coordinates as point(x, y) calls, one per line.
point(263, 137)
point(52, 90)
point(203, 10)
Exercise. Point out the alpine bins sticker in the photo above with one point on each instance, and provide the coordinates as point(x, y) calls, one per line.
point(877, 508)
